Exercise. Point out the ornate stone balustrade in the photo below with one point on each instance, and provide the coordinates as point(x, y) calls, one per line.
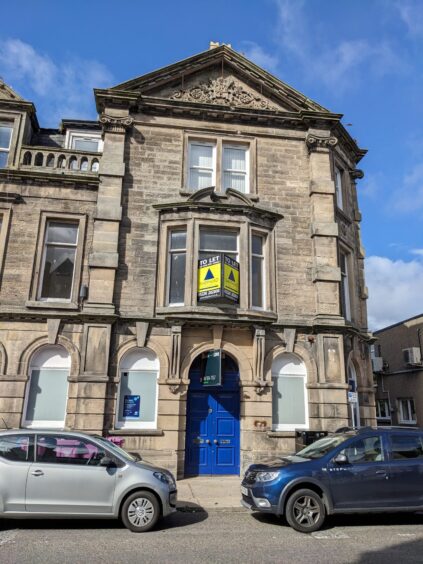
point(58, 159)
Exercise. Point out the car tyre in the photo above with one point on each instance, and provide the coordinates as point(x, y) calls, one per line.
point(305, 511)
point(140, 511)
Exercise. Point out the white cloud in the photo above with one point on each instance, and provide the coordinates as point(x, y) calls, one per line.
point(395, 290)
point(418, 252)
point(408, 197)
point(411, 13)
point(59, 89)
point(259, 56)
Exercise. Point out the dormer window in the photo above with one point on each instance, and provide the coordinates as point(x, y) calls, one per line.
point(89, 142)
point(5, 141)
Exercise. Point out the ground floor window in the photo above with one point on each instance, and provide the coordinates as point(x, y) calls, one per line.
point(289, 405)
point(138, 390)
point(47, 390)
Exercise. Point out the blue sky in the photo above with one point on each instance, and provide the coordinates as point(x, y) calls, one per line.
point(362, 58)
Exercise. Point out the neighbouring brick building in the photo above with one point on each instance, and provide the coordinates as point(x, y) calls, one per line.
point(102, 227)
point(398, 368)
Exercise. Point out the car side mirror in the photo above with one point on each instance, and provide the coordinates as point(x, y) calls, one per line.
point(341, 459)
point(106, 461)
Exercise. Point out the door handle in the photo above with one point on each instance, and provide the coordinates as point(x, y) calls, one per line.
point(208, 441)
point(381, 472)
point(37, 473)
point(216, 441)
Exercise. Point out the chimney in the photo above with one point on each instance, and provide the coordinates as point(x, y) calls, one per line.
point(213, 44)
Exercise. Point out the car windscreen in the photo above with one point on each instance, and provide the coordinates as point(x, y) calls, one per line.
point(322, 446)
point(114, 448)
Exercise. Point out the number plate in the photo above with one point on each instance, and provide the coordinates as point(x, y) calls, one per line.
point(244, 491)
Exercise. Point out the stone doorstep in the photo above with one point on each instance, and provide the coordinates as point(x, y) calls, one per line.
point(209, 493)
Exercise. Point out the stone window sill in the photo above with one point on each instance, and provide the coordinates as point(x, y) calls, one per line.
point(281, 434)
point(52, 305)
point(137, 432)
point(221, 311)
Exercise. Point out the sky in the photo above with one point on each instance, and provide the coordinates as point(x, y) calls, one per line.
point(361, 58)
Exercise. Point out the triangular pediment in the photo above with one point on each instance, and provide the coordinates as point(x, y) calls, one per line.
point(222, 77)
point(7, 93)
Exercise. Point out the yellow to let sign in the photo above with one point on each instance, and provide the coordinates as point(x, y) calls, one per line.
point(209, 277)
point(231, 279)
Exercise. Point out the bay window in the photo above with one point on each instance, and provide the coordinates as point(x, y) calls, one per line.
point(257, 271)
point(216, 241)
point(176, 266)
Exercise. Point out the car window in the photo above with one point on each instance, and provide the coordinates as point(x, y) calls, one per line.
point(368, 449)
point(60, 449)
point(18, 448)
point(322, 446)
point(405, 446)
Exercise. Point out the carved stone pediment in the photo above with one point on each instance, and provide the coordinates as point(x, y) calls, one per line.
point(229, 197)
point(223, 91)
point(7, 93)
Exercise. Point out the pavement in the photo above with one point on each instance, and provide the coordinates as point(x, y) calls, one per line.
point(203, 493)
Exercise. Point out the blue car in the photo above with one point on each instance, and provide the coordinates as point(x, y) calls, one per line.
point(366, 470)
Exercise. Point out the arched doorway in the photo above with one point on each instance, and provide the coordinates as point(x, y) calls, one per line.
point(212, 430)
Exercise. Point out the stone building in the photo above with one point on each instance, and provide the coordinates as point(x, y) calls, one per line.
point(102, 227)
point(398, 368)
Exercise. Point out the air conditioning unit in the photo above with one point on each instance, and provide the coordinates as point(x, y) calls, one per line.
point(412, 355)
point(377, 364)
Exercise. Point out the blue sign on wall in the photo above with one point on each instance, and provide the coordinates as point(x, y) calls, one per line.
point(131, 406)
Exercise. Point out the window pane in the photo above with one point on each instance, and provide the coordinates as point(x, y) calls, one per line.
point(5, 136)
point(3, 158)
point(58, 272)
point(288, 401)
point(177, 278)
point(234, 180)
point(364, 450)
point(16, 447)
point(234, 159)
point(47, 395)
point(218, 240)
point(257, 245)
point(89, 145)
point(406, 446)
point(201, 156)
point(62, 232)
point(144, 385)
point(338, 188)
point(64, 450)
point(178, 240)
point(257, 282)
point(200, 179)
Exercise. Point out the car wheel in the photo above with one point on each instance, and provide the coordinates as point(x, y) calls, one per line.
point(305, 511)
point(140, 512)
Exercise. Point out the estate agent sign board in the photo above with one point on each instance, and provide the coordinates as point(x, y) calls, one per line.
point(218, 277)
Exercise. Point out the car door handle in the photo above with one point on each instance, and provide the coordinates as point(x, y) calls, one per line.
point(37, 473)
point(381, 472)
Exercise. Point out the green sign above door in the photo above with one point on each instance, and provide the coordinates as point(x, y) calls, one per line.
point(212, 375)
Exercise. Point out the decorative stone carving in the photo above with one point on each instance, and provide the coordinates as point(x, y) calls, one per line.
point(141, 329)
point(114, 124)
point(259, 353)
point(223, 91)
point(356, 174)
point(175, 360)
point(314, 142)
point(289, 338)
point(53, 325)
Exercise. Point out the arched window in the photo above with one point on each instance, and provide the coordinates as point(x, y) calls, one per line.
point(138, 390)
point(354, 408)
point(290, 403)
point(47, 390)
point(39, 159)
point(50, 160)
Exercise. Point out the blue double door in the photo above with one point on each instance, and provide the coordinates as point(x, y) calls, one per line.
point(212, 435)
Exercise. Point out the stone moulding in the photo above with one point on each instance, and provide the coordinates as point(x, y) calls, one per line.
point(223, 91)
point(315, 142)
point(113, 124)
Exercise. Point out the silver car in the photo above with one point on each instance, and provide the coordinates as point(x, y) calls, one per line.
point(71, 474)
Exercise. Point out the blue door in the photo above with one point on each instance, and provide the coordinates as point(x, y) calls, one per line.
point(212, 435)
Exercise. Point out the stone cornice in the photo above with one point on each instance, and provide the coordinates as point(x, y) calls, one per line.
point(115, 98)
point(64, 180)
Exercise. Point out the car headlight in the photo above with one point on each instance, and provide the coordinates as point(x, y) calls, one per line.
point(166, 479)
point(266, 476)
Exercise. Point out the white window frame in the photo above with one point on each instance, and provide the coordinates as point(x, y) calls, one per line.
point(169, 262)
point(263, 269)
point(43, 259)
point(4, 149)
point(401, 411)
point(192, 142)
point(293, 426)
point(73, 134)
point(44, 424)
point(128, 424)
point(246, 148)
point(345, 283)
point(339, 196)
point(387, 409)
